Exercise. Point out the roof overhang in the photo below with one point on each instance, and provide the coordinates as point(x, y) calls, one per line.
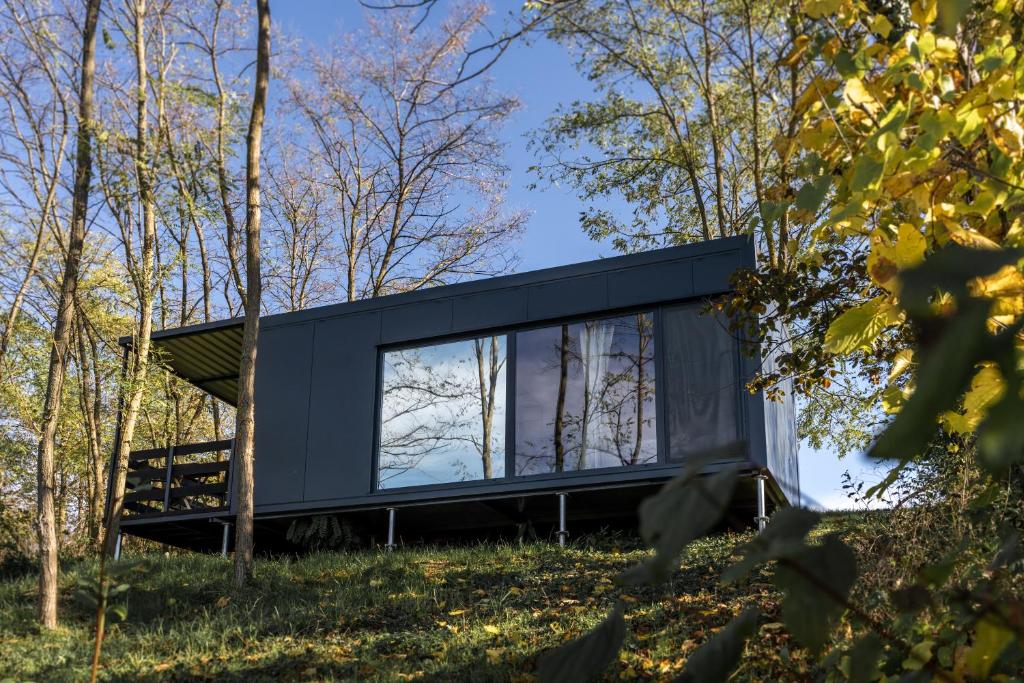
point(207, 356)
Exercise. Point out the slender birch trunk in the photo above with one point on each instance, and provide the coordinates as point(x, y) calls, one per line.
point(143, 280)
point(62, 329)
point(244, 420)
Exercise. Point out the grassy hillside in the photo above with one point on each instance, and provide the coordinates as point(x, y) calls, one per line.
point(479, 613)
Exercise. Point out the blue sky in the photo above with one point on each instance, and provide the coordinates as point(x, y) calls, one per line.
point(542, 75)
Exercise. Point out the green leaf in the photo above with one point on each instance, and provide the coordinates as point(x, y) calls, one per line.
point(990, 639)
point(943, 374)
point(867, 173)
point(715, 660)
point(1000, 437)
point(585, 657)
point(816, 583)
point(950, 14)
point(858, 327)
point(783, 537)
point(864, 656)
point(119, 611)
point(812, 194)
point(683, 510)
point(920, 655)
point(119, 589)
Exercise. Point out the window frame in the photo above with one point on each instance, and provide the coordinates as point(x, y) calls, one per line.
point(661, 463)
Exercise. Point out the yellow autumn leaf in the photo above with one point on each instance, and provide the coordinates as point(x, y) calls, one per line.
point(987, 387)
point(924, 12)
point(492, 629)
point(858, 327)
point(494, 654)
point(816, 9)
point(945, 50)
point(1007, 281)
point(888, 258)
point(857, 95)
point(816, 90)
point(967, 238)
point(881, 25)
point(1009, 135)
point(799, 47)
point(900, 363)
point(893, 398)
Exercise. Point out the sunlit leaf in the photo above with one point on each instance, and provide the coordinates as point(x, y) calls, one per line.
point(990, 639)
point(943, 374)
point(858, 327)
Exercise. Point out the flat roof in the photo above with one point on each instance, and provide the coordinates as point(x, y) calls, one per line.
point(208, 355)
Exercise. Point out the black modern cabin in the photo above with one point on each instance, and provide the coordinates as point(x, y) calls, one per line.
point(558, 396)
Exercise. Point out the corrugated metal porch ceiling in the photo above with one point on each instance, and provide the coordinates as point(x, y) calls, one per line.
point(207, 357)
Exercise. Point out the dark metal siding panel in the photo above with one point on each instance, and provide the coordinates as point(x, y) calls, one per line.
point(416, 321)
point(490, 309)
point(711, 274)
point(567, 297)
point(650, 284)
point(342, 406)
point(282, 412)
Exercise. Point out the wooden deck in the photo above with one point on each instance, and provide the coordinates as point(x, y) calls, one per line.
point(181, 479)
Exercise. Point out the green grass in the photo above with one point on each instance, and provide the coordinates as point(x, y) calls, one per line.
point(475, 613)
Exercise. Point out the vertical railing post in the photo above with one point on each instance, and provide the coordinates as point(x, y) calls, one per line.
point(563, 531)
point(167, 479)
point(391, 530)
point(229, 494)
point(762, 507)
point(117, 548)
point(224, 539)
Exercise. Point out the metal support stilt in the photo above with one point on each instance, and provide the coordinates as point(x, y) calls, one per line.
point(225, 539)
point(391, 530)
point(563, 533)
point(117, 548)
point(762, 509)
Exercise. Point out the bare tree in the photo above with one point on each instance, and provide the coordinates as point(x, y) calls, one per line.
point(244, 419)
point(62, 329)
point(400, 137)
point(140, 268)
point(33, 138)
point(489, 364)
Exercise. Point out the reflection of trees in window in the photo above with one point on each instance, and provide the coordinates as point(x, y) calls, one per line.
point(601, 412)
point(438, 409)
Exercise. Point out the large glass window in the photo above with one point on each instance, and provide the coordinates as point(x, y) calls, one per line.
point(443, 413)
point(585, 395)
point(701, 382)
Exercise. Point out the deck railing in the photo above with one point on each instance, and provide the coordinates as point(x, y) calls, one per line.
point(187, 478)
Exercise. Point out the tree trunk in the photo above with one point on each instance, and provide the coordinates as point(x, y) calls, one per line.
point(563, 379)
point(244, 420)
point(712, 111)
point(46, 523)
point(135, 382)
